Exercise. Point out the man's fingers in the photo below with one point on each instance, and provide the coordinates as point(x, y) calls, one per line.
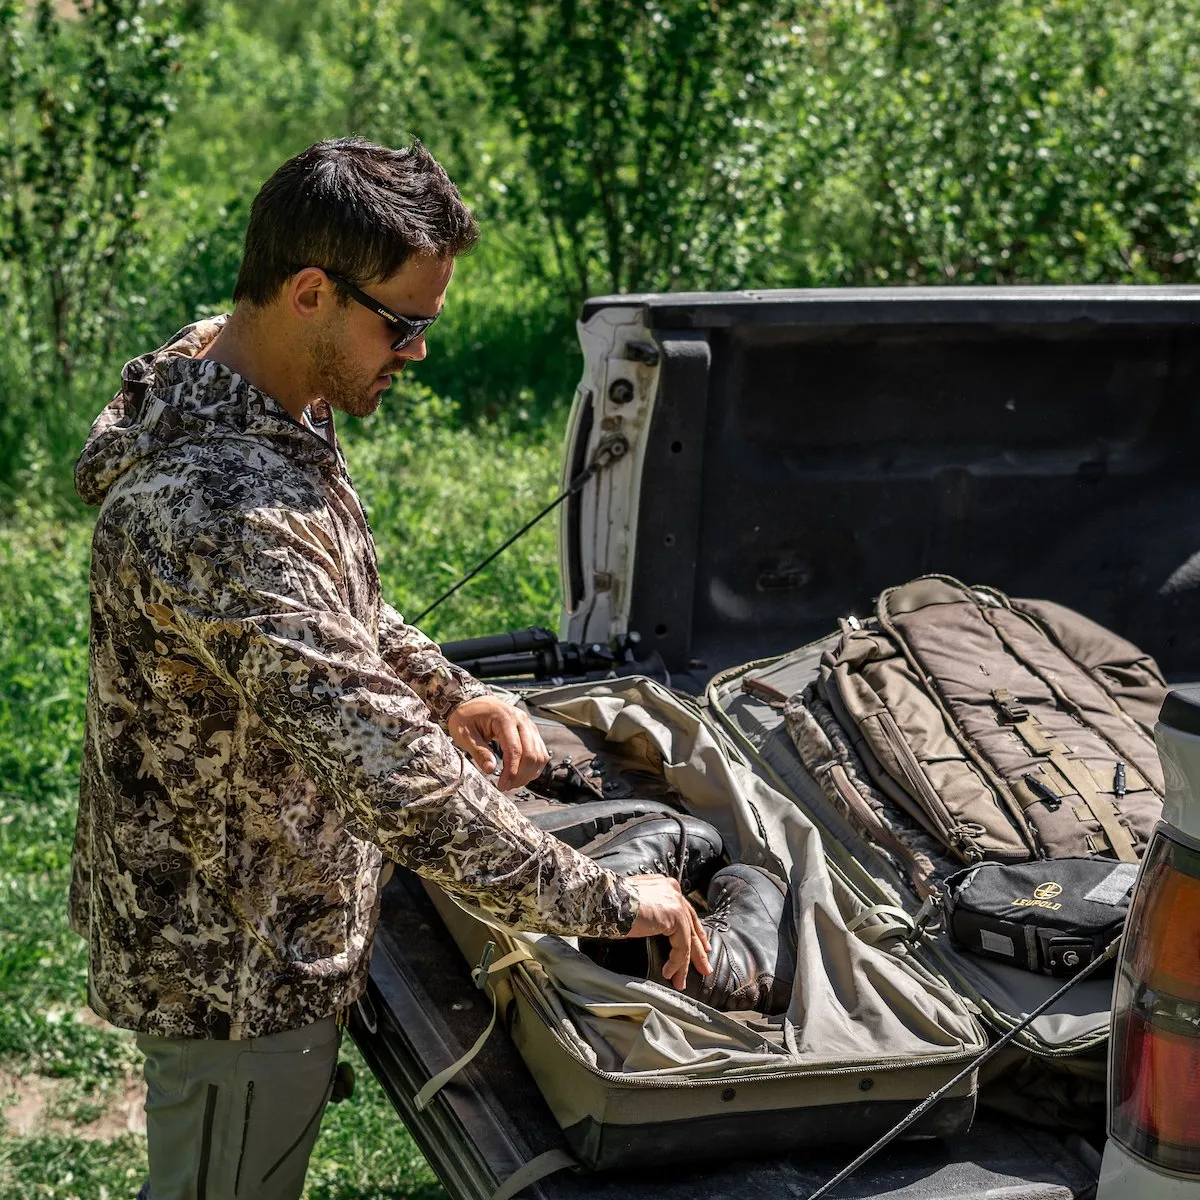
point(663, 910)
point(480, 752)
point(538, 744)
point(700, 946)
point(701, 932)
point(476, 722)
point(510, 745)
point(534, 754)
point(676, 968)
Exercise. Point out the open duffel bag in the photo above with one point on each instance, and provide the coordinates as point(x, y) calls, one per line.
point(1057, 703)
point(636, 1073)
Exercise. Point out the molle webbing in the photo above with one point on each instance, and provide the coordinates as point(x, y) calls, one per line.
point(1070, 773)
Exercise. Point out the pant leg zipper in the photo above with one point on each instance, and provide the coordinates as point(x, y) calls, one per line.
point(237, 1179)
point(210, 1110)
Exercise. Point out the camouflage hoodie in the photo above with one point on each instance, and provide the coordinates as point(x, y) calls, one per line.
point(260, 726)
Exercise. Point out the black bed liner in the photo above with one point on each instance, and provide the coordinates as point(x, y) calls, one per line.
point(829, 444)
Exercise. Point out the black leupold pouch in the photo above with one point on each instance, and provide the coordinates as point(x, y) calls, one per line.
point(1052, 915)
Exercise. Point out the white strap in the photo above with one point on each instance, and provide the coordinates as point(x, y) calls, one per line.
point(535, 1170)
point(366, 1013)
point(480, 973)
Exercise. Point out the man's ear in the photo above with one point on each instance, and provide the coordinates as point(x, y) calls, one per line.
point(307, 293)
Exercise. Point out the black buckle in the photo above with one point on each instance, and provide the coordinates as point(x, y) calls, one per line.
point(1011, 709)
point(1039, 788)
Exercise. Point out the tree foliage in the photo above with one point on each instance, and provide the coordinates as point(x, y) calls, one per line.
point(84, 101)
point(644, 129)
point(989, 143)
point(608, 145)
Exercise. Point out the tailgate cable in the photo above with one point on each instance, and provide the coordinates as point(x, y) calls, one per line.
point(609, 450)
point(930, 1100)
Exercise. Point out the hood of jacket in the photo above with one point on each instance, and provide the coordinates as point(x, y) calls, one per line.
point(169, 396)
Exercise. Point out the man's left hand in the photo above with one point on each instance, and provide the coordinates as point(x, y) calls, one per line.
point(476, 723)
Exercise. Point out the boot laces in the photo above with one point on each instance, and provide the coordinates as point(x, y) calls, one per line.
point(718, 915)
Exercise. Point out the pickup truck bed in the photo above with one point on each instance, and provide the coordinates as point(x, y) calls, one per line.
point(767, 462)
point(491, 1119)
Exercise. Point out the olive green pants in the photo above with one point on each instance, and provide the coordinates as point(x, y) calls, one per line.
point(228, 1120)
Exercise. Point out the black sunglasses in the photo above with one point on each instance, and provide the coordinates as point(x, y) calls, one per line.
point(409, 328)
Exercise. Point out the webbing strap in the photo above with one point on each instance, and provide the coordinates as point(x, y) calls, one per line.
point(1031, 734)
point(895, 921)
point(535, 1170)
point(435, 1085)
point(1078, 776)
point(1103, 809)
point(869, 821)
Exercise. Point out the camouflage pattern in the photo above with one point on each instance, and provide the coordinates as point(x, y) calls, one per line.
point(827, 752)
point(262, 730)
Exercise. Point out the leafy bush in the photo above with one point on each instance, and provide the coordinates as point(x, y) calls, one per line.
point(995, 143)
point(85, 103)
point(644, 132)
point(606, 146)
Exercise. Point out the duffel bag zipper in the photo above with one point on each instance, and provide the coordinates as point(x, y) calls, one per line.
point(959, 836)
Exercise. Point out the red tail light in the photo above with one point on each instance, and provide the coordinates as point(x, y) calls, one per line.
point(1154, 1109)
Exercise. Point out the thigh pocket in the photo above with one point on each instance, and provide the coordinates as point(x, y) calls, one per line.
point(281, 1096)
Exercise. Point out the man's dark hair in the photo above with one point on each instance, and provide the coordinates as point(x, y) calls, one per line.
point(349, 206)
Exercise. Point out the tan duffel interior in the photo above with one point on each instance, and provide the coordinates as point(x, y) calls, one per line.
point(637, 1073)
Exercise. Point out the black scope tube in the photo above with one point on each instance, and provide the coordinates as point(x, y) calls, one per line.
point(505, 665)
point(522, 641)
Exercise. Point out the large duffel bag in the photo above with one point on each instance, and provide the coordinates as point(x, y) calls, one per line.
point(889, 846)
point(637, 1073)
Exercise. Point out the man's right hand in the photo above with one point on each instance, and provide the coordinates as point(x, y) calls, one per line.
point(662, 909)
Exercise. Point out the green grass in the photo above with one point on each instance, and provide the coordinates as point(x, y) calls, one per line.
point(71, 1168)
point(439, 497)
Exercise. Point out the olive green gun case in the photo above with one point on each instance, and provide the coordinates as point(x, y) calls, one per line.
point(637, 1073)
point(952, 726)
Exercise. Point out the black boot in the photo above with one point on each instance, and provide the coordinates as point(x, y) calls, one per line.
point(753, 957)
point(650, 845)
point(674, 844)
point(578, 824)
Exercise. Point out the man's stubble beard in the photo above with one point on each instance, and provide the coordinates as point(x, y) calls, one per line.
point(332, 376)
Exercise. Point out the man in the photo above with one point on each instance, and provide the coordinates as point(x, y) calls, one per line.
point(262, 730)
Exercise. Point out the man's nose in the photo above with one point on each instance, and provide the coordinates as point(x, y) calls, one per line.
point(415, 350)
